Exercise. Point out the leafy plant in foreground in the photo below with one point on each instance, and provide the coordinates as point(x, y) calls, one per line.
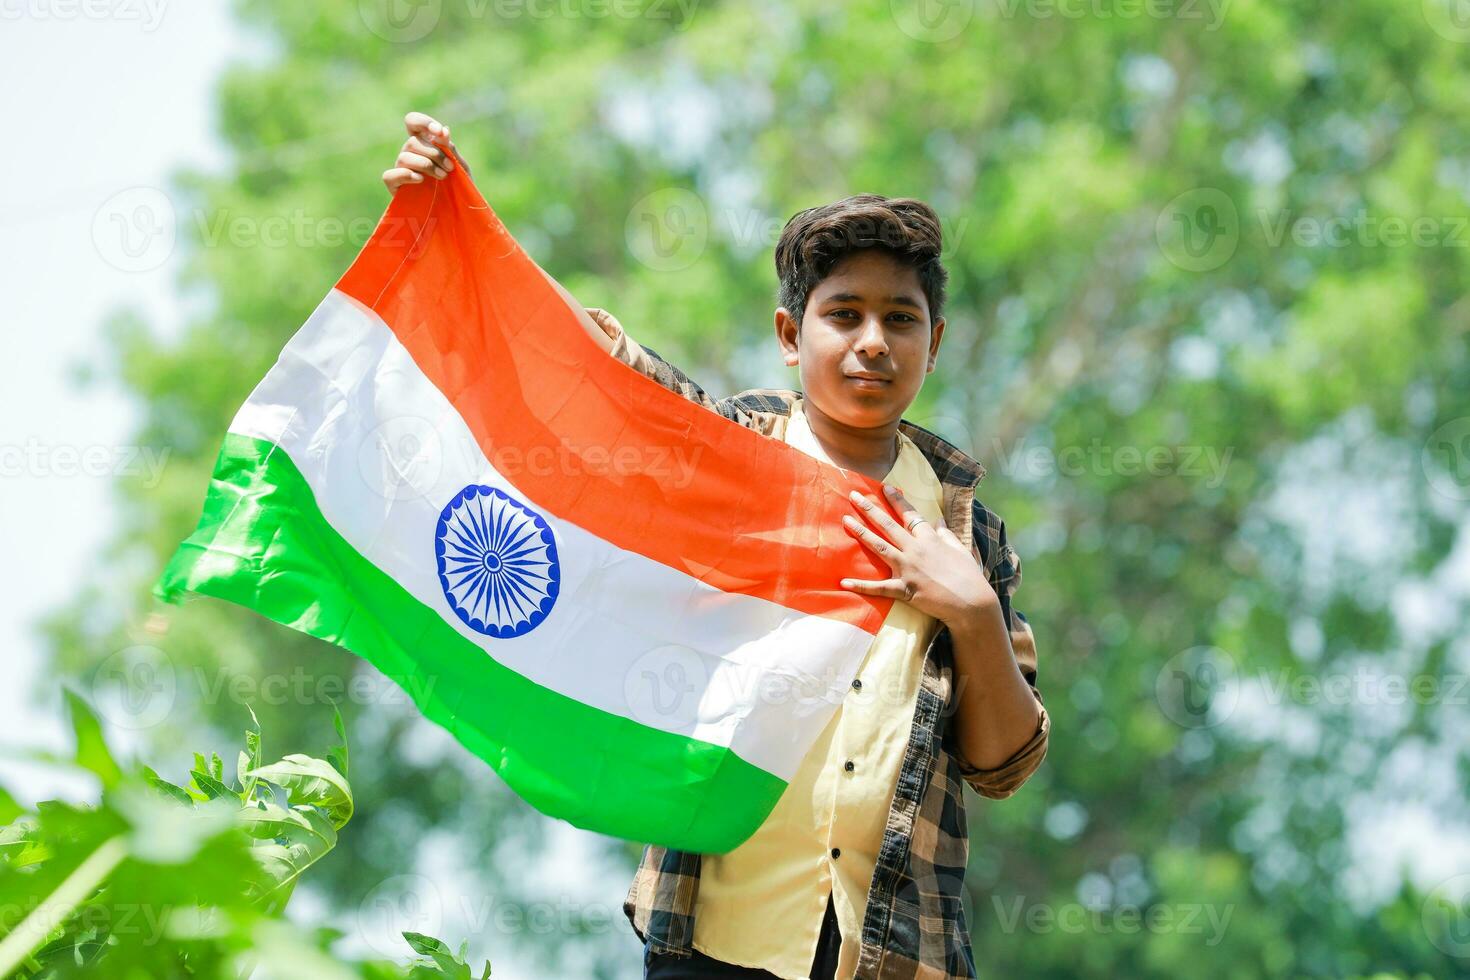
point(162, 880)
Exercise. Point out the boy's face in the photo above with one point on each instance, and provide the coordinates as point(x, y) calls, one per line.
point(868, 317)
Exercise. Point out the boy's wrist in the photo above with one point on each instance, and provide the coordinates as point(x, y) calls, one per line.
point(979, 622)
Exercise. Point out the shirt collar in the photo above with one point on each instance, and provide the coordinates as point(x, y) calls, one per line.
point(951, 464)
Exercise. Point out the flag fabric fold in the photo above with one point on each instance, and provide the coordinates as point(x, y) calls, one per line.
point(625, 604)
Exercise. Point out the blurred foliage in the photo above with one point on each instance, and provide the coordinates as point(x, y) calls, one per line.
point(162, 880)
point(1129, 205)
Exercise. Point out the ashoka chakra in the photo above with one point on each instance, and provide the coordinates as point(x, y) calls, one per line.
point(497, 562)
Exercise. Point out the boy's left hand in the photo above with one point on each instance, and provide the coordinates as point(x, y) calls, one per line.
point(932, 570)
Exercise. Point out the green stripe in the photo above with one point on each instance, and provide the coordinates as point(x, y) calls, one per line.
point(262, 542)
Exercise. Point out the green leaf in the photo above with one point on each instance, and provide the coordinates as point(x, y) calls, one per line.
point(9, 809)
point(21, 845)
point(270, 821)
point(167, 788)
point(212, 788)
point(311, 782)
point(337, 754)
point(249, 758)
point(252, 734)
point(290, 842)
point(447, 963)
point(425, 945)
point(92, 752)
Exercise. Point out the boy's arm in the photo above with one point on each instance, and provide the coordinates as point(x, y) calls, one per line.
point(1004, 574)
point(647, 362)
point(594, 328)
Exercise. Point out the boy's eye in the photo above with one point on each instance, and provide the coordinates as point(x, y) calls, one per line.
point(853, 314)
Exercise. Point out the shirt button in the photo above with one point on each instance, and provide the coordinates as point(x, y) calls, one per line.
point(837, 852)
point(857, 684)
point(848, 765)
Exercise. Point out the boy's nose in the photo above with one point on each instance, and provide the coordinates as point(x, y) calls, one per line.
point(871, 340)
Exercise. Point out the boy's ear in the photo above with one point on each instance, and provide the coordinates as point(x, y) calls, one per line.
point(787, 333)
point(936, 334)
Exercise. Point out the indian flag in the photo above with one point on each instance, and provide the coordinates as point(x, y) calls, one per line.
point(624, 603)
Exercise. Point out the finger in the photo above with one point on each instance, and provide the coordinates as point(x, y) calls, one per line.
point(874, 542)
point(421, 124)
point(889, 588)
point(441, 159)
point(907, 512)
point(398, 176)
point(451, 157)
point(419, 163)
point(869, 508)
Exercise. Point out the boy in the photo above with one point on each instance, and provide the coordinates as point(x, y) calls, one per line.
point(859, 869)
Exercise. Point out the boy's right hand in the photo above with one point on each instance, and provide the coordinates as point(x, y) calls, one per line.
point(421, 155)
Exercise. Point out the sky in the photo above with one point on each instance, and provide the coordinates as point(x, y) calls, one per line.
point(92, 153)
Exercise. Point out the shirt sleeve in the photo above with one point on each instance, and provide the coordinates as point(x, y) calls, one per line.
point(1004, 573)
point(647, 362)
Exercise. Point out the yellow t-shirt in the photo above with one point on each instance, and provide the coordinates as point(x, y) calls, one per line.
point(761, 905)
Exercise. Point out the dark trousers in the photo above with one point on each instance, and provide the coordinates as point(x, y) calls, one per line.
point(664, 966)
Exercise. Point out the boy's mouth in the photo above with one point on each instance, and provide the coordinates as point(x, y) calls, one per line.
point(868, 380)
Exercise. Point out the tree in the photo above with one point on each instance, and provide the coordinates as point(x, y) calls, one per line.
point(1206, 332)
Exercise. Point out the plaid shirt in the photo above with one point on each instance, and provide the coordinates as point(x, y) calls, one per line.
point(914, 925)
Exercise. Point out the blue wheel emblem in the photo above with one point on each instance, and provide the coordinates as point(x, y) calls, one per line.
point(497, 562)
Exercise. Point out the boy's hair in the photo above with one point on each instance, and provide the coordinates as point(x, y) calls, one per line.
point(815, 240)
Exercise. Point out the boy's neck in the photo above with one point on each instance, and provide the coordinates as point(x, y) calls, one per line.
point(871, 452)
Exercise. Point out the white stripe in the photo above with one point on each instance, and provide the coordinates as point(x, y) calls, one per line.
point(384, 452)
